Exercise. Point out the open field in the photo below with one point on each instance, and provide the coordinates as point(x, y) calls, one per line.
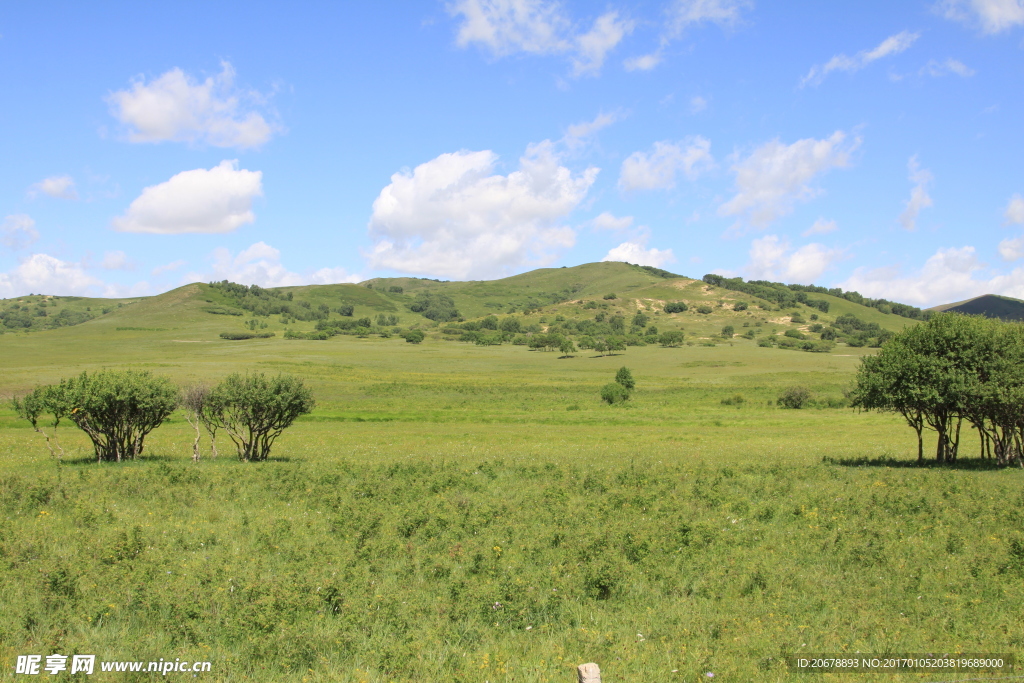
point(472, 513)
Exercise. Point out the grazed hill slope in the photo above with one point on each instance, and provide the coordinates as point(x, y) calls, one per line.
point(988, 305)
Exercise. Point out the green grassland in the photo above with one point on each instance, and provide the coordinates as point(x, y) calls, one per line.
point(456, 512)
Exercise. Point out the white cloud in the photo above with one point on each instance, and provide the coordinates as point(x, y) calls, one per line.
point(820, 227)
point(538, 27)
point(684, 13)
point(643, 62)
point(890, 46)
point(608, 221)
point(452, 216)
point(773, 259)
point(636, 252)
point(1011, 249)
point(947, 276)
point(168, 268)
point(175, 107)
point(116, 260)
point(204, 201)
point(1015, 210)
point(775, 176)
point(950, 66)
point(657, 169)
point(698, 104)
point(592, 47)
point(260, 264)
point(919, 197)
point(59, 186)
point(991, 16)
point(18, 231)
point(44, 274)
point(578, 133)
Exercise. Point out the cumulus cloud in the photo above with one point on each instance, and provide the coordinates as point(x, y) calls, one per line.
point(1011, 249)
point(950, 66)
point(890, 46)
point(990, 16)
point(176, 107)
point(820, 227)
point(919, 197)
point(59, 186)
point(636, 252)
point(949, 275)
point(774, 259)
point(42, 273)
point(18, 231)
point(775, 176)
point(204, 201)
point(260, 264)
point(539, 27)
point(657, 169)
point(608, 221)
point(1015, 210)
point(453, 216)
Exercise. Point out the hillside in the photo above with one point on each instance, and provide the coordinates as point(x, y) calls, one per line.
point(616, 304)
point(988, 305)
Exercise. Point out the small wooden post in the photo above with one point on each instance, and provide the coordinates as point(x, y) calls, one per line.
point(589, 673)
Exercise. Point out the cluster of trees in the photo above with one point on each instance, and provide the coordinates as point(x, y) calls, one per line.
point(25, 316)
point(435, 306)
point(776, 292)
point(950, 370)
point(621, 389)
point(118, 409)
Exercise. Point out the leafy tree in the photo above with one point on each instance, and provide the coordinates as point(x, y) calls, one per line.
point(671, 338)
point(489, 323)
point(435, 306)
point(414, 336)
point(50, 400)
point(567, 347)
point(616, 343)
point(625, 378)
point(795, 334)
point(194, 400)
point(254, 410)
point(610, 296)
point(640, 319)
point(739, 306)
point(600, 346)
point(728, 331)
point(395, 289)
point(676, 307)
point(613, 393)
point(511, 325)
point(116, 409)
point(617, 323)
point(704, 309)
point(347, 310)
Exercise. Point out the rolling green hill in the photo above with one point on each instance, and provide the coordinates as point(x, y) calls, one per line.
point(988, 305)
point(590, 301)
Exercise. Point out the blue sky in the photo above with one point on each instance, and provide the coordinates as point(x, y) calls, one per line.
point(875, 146)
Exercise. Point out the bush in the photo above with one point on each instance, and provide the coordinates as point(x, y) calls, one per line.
point(735, 400)
point(610, 296)
point(676, 307)
point(347, 310)
point(246, 335)
point(728, 331)
point(116, 409)
point(795, 334)
point(794, 397)
point(254, 410)
point(613, 393)
point(704, 309)
point(625, 378)
point(765, 342)
point(740, 306)
point(413, 336)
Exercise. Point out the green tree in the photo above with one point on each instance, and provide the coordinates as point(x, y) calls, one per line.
point(794, 397)
point(567, 347)
point(728, 331)
point(671, 338)
point(254, 410)
point(625, 378)
point(640, 319)
point(414, 336)
point(613, 392)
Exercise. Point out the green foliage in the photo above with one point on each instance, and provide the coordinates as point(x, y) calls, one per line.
point(610, 296)
point(246, 335)
point(676, 307)
point(704, 309)
point(413, 336)
point(435, 306)
point(794, 397)
point(625, 378)
point(728, 331)
point(613, 393)
point(346, 310)
point(254, 410)
point(640, 319)
point(739, 306)
point(794, 334)
point(567, 347)
point(671, 338)
point(734, 400)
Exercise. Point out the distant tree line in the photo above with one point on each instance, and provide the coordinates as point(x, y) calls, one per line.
point(951, 370)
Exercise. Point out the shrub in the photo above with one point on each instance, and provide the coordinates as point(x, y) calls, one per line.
point(625, 378)
point(676, 307)
point(734, 400)
point(414, 336)
point(246, 335)
point(347, 310)
point(671, 338)
point(254, 410)
point(765, 342)
point(704, 309)
point(116, 409)
point(797, 318)
point(794, 397)
point(728, 331)
point(740, 306)
point(613, 393)
point(610, 296)
point(795, 334)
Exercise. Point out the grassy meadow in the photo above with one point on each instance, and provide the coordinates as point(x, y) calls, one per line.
point(452, 512)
